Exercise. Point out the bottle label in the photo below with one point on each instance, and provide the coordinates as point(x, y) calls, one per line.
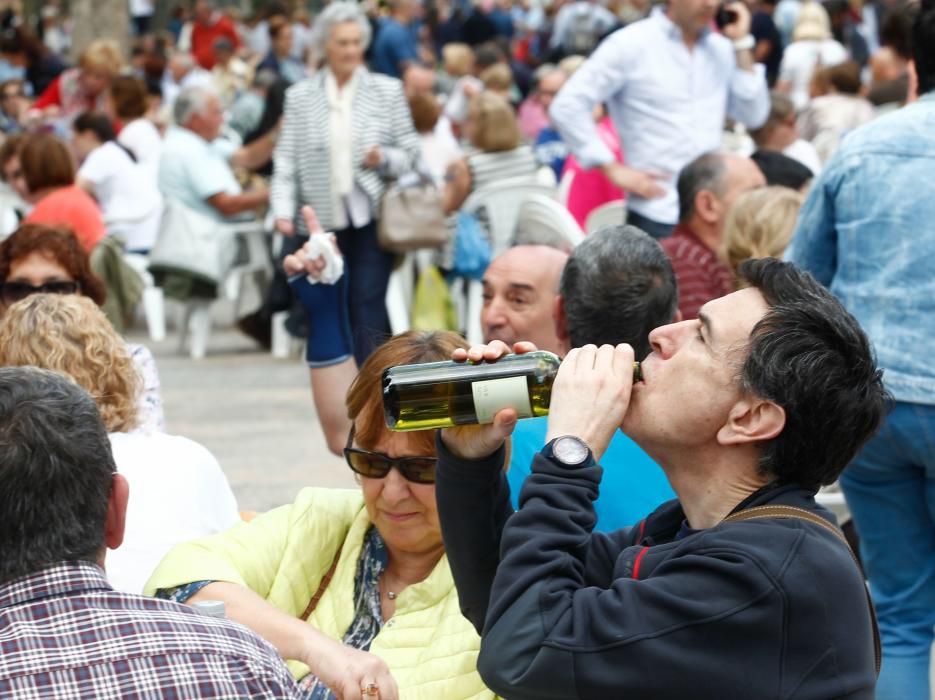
point(494, 395)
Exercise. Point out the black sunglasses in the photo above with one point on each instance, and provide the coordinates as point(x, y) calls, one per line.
point(16, 291)
point(376, 465)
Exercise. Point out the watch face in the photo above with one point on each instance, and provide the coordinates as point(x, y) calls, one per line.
point(570, 450)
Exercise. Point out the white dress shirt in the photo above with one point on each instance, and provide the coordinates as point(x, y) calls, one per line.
point(350, 201)
point(667, 102)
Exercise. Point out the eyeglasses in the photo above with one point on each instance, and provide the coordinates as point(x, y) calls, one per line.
point(376, 465)
point(16, 291)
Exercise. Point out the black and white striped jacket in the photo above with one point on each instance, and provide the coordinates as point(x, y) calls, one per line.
point(302, 161)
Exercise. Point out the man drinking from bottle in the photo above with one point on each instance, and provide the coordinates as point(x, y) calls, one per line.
point(742, 586)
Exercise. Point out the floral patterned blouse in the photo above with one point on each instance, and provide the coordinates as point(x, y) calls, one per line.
point(149, 406)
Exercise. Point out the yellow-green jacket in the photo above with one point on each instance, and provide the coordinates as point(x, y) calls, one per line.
point(282, 555)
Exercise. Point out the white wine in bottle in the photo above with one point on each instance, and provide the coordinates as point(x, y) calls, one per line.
point(445, 394)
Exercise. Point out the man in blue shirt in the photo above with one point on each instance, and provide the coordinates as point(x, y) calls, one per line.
point(396, 45)
point(616, 287)
point(866, 233)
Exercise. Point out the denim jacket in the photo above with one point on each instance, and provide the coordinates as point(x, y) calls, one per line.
point(867, 231)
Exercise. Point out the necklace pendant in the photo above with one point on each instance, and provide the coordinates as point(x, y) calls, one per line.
point(391, 595)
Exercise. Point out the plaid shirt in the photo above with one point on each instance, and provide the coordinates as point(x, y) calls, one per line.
point(65, 633)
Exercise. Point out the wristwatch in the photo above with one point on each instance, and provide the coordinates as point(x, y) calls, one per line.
point(568, 450)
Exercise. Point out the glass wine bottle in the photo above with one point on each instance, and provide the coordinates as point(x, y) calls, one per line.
point(445, 394)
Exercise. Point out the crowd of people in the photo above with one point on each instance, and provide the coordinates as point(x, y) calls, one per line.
point(770, 165)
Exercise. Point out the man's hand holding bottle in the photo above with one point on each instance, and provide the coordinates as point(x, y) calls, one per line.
point(590, 397)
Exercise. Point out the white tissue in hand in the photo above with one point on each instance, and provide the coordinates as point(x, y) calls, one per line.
point(319, 246)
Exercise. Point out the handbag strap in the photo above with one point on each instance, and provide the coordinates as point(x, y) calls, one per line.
point(802, 514)
point(326, 579)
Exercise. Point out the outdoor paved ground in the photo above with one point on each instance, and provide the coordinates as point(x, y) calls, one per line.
point(254, 413)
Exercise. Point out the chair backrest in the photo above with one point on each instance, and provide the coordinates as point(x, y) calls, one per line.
point(501, 200)
point(544, 221)
point(564, 186)
point(610, 214)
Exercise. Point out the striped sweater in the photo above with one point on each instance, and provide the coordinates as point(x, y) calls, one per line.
point(700, 275)
point(302, 162)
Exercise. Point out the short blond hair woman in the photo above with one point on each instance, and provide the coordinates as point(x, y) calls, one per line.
point(497, 154)
point(83, 89)
point(760, 225)
point(177, 488)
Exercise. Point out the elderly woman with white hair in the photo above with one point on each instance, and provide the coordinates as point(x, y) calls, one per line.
point(812, 47)
point(346, 131)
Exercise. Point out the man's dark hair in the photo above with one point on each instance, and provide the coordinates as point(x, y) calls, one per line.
point(617, 286)
point(56, 468)
point(706, 172)
point(97, 123)
point(923, 45)
point(780, 169)
point(811, 357)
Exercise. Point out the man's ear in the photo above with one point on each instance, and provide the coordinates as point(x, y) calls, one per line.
point(752, 419)
point(708, 206)
point(560, 319)
point(116, 521)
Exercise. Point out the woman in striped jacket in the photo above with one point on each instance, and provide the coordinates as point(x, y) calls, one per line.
point(346, 132)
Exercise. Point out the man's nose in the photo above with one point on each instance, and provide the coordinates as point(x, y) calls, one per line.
point(494, 313)
point(665, 340)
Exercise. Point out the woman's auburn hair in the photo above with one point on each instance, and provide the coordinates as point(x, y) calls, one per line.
point(365, 397)
point(67, 333)
point(57, 244)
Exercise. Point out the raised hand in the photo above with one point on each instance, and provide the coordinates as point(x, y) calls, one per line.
point(478, 441)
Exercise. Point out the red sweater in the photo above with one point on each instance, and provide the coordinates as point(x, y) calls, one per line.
point(203, 38)
point(700, 275)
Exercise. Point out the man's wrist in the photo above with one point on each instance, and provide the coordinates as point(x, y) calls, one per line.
point(569, 451)
point(744, 43)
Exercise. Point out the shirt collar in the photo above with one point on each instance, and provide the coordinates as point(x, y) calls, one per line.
point(669, 28)
point(331, 85)
point(61, 578)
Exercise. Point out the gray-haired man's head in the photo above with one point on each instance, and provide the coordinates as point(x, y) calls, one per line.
point(199, 109)
point(616, 287)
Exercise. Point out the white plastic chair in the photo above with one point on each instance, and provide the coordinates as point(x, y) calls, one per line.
point(610, 214)
point(154, 303)
point(564, 186)
point(545, 175)
point(195, 318)
point(501, 200)
point(400, 292)
point(544, 221)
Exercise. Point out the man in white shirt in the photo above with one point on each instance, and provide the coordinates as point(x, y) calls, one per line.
point(668, 82)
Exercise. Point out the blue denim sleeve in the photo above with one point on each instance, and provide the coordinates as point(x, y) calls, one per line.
point(814, 245)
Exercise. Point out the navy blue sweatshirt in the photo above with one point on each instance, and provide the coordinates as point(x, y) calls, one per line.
point(759, 609)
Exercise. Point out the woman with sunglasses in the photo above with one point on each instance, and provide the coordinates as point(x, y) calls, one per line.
point(352, 588)
point(39, 259)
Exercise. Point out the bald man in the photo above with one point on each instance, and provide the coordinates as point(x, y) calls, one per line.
point(520, 287)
